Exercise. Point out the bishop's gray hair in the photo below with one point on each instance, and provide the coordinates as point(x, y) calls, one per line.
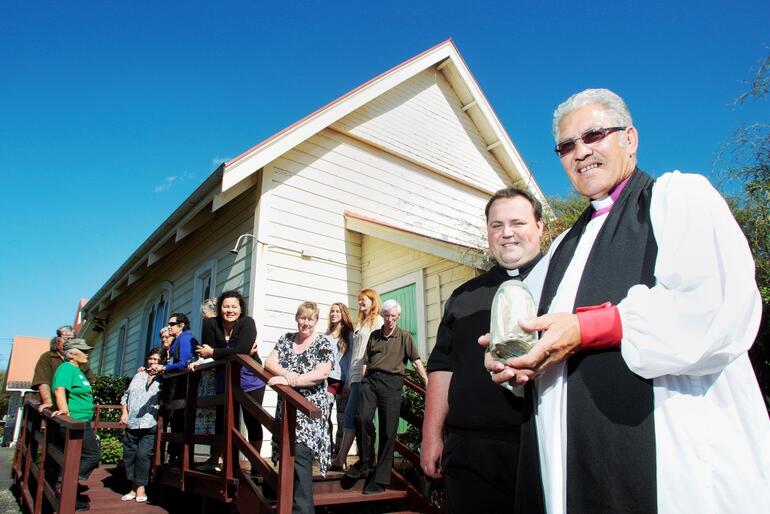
point(612, 103)
point(389, 305)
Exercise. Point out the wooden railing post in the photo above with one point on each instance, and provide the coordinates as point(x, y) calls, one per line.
point(286, 464)
point(232, 380)
point(73, 445)
point(191, 399)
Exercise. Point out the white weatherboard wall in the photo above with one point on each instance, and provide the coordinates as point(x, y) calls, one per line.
point(422, 119)
point(177, 269)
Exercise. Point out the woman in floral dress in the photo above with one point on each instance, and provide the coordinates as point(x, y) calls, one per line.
point(303, 360)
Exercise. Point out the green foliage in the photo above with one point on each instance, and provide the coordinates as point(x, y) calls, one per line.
point(5, 396)
point(415, 404)
point(745, 162)
point(566, 212)
point(108, 389)
point(112, 449)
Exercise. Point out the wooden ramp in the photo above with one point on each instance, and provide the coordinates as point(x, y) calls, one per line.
point(105, 487)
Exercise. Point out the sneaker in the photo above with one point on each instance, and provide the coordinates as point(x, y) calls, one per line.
point(373, 488)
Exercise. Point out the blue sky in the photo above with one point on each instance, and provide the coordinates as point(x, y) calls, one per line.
point(111, 113)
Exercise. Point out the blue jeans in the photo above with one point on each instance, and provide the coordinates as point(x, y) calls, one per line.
point(351, 408)
point(138, 445)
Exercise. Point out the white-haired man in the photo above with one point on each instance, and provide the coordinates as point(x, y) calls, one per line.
point(387, 353)
point(645, 397)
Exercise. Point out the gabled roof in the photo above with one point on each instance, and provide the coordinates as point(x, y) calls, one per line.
point(236, 176)
point(447, 59)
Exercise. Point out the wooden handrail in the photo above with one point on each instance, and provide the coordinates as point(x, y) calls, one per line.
point(231, 440)
point(295, 399)
point(35, 438)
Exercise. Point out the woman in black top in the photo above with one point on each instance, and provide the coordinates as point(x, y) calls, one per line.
point(232, 332)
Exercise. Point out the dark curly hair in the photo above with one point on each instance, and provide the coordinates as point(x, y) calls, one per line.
point(231, 294)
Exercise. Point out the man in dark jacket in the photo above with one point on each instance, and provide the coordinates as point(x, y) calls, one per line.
point(471, 426)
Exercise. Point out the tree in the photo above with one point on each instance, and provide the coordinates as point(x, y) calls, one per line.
point(745, 161)
point(566, 212)
point(5, 396)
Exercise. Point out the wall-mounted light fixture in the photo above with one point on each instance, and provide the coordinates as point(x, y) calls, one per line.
point(234, 251)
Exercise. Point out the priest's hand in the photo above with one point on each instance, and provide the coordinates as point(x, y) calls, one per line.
point(431, 450)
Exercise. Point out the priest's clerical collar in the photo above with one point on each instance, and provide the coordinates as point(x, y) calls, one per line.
point(604, 205)
point(523, 270)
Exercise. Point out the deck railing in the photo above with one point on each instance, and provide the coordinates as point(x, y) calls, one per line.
point(48, 447)
point(231, 441)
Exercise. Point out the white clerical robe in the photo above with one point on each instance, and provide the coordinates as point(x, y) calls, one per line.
point(689, 334)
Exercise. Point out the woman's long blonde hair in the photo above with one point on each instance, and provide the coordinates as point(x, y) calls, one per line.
point(371, 317)
point(346, 326)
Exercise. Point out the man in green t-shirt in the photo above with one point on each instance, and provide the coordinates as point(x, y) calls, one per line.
point(74, 398)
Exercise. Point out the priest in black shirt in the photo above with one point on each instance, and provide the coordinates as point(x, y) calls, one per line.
point(471, 427)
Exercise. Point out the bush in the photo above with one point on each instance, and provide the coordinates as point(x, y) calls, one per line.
point(112, 449)
point(108, 390)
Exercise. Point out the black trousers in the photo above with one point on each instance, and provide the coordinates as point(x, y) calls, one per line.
point(137, 453)
point(303, 480)
point(178, 392)
point(381, 391)
point(480, 473)
point(252, 424)
point(90, 452)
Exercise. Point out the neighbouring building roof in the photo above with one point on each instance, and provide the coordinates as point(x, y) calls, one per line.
point(24, 355)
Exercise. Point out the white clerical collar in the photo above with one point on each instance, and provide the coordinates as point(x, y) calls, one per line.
point(512, 272)
point(603, 203)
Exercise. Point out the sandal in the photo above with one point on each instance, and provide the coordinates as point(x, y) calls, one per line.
point(130, 496)
point(141, 499)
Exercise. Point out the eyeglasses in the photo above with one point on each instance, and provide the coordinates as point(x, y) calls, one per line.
point(173, 323)
point(588, 137)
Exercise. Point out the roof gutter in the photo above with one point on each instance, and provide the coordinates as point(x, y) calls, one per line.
point(202, 191)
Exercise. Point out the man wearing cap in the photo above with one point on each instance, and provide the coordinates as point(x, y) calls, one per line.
point(644, 394)
point(74, 398)
point(49, 362)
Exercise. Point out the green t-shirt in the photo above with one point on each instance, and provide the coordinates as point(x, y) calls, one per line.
point(79, 397)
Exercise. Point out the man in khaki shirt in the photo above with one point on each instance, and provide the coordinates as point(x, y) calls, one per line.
point(385, 360)
point(48, 363)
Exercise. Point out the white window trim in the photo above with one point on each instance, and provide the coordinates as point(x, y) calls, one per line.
point(207, 268)
point(417, 278)
point(119, 363)
point(153, 298)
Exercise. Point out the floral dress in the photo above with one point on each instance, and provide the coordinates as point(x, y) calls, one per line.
point(313, 433)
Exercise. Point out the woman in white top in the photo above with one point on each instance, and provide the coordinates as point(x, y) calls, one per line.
point(340, 333)
point(368, 321)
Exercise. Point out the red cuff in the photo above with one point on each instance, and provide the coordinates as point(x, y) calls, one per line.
point(600, 326)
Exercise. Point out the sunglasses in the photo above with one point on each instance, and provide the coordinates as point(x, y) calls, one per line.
point(588, 137)
point(173, 323)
